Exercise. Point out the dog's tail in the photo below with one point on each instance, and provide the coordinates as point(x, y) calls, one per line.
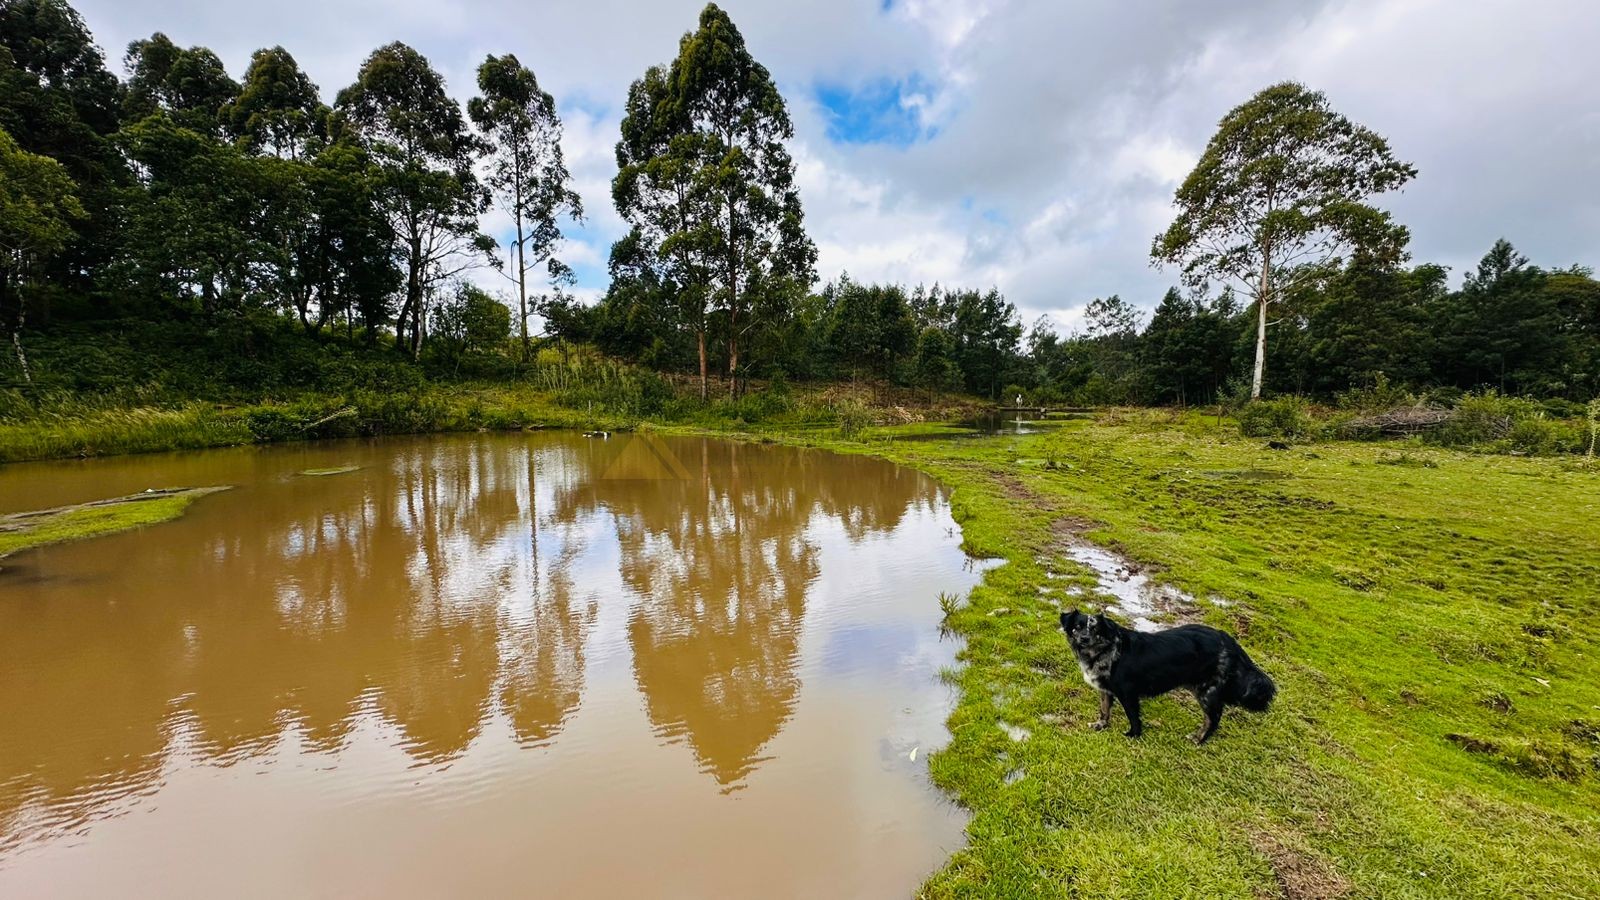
point(1252, 688)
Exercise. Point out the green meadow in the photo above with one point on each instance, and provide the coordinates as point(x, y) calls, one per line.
point(1428, 616)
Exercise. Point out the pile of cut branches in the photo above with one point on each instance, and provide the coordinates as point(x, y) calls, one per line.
point(1403, 421)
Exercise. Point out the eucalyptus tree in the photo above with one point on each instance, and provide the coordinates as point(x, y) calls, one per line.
point(278, 109)
point(708, 186)
point(1279, 196)
point(399, 110)
point(522, 135)
point(57, 98)
point(191, 85)
point(655, 192)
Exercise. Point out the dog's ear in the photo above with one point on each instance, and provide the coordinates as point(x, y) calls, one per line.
point(1104, 623)
point(1068, 618)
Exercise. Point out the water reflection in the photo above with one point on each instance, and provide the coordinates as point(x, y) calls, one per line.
point(450, 591)
point(432, 589)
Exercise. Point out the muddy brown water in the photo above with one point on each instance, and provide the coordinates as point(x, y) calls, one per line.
point(531, 665)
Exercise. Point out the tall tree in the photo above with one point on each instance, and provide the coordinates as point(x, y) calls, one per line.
point(193, 221)
point(37, 205)
point(522, 134)
point(1503, 328)
point(654, 191)
point(1281, 192)
point(868, 326)
point(278, 110)
point(707, 184)
point(416, 133)
point(190, 85)
point(58, 99)
point(932, 366)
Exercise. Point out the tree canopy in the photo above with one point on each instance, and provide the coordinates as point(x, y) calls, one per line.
point(1279, 195)
point(706, 183)
point(522, 137)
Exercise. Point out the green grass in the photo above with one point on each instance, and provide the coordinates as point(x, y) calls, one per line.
point(22, 531)
point(329, 470)
point(1430, 626)
point(586, 396)
point(1428, 615)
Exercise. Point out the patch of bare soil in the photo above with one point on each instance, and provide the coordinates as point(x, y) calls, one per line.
point(1300, 875)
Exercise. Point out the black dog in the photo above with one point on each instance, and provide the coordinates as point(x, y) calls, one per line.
point(1128, 664)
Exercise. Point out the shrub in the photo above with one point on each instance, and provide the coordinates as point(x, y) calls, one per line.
point(1282, 417)
point(1483, 419)
point(854, 417)
point(1377, 394)
point(1544, 437)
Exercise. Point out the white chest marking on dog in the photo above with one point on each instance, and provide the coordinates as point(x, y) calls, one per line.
point(1096, 672)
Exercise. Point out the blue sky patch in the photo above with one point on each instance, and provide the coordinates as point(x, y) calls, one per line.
point(884, 111)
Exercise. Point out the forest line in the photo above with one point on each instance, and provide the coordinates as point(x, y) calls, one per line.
point(178, 198)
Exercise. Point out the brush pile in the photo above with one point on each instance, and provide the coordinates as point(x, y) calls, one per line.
point(1403, 421)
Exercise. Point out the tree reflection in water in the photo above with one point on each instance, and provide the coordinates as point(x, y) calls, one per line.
point(431, 591)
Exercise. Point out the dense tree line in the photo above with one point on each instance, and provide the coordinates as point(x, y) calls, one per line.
point(178, 194)
point(1511, 326)
point(190, 195)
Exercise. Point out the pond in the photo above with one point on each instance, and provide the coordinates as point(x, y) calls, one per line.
point(536, 664)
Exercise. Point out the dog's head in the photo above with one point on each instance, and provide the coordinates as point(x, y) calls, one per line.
point(1089, 634)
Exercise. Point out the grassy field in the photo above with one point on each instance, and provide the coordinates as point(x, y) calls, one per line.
point(1427, 614)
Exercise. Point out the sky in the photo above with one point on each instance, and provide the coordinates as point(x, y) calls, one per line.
point(1029, 145)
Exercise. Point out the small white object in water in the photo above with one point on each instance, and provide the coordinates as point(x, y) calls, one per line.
point(914, 753)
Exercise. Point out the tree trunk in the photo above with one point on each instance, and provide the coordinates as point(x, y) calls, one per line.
point(1261, 349)
point(412, 310)
point(1263, 296)
point(418, 324)
point(701, 338)
point(16, 336)
point(522, 279)
point(733, 298)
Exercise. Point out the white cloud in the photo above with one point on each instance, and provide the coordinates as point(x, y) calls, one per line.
point(1058, 130)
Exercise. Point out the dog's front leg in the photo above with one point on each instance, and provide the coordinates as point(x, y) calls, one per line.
point(1130, 705)
point(1105, 712)
point(1211, 705)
